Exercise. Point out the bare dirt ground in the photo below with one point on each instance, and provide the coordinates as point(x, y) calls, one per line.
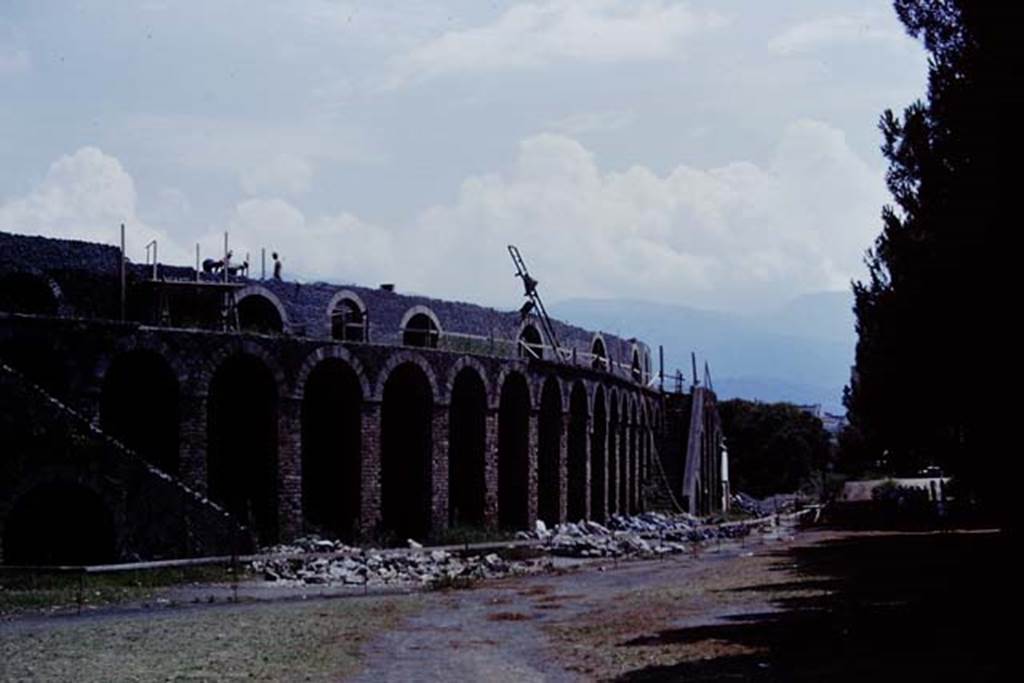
point(821, 606)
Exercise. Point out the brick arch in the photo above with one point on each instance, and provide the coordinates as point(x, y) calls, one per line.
point(259, 290)
point(612, 398)
point(398, 358)
point(507, 371)
point(204, 375)
point(321, 354)
point(563, 388)
point(338, 297)
point(609, 361)
point(416, 310)
point(47, 281)
point(462, 363)
point(179, 368)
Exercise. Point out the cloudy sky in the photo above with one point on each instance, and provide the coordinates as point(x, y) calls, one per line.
point(712, 154)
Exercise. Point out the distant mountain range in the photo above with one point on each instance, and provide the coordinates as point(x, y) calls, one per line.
point(801, 352)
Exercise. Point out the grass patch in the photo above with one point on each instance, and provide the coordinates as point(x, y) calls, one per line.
point(22, 592)
point(316, 640)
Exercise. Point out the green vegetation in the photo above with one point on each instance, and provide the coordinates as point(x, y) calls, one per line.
point(34, 591)
point(774, 448)
point(316, 640)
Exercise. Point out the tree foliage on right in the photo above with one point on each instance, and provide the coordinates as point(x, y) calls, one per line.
point(927, 363)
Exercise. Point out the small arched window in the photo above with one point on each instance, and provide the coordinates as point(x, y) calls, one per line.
point(422, 331)
point(636, 370)
point(531, 344)
point(22, 292)
point(257, 313)
point(348, 321)
point(600, 354)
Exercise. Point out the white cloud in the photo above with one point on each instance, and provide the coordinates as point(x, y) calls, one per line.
point(537, 33)
point(14, 61)
point(851, 29)
point(336, 248)
point(86, 196)
point(739, 235)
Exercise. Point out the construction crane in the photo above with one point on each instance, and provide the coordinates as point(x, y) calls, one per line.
point(534, 303)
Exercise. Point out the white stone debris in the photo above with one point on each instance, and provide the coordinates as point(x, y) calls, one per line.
point(313, 560)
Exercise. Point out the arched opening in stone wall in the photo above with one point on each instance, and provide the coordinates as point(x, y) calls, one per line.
point(613, 455)
point(513, 452)
point(406, 452)
point(257, 313)
point(643, 462)
point(421, 331)
point(599, 353)
point(576, 494)
point(27, 293)
point(634, 474)
point(531, 344)
point(39, 362)
point(139, 407)
point(467, 450)
point(242, 442)
point(332, 449)
point(624, 459)
point(598, 444)
point(549, 442)
point(58, 523)
point(348, 321)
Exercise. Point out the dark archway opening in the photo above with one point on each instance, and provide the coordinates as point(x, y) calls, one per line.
point(407, 447)
point(59, 523)
point(576, 503)
point(624, 461)
point(633, 463)
point(348, 322)
point(27, 293)
point(332, 449)
point(598, 444)
point(600, 355)
point(38, 360)
point(421, 331)
point(531, 344)
point(139, 407)
point(613, 456)
point(258, 314)
point(643, 462)
point(242, 443)
point(513, 453)
point(466, 454)
point(549, 439)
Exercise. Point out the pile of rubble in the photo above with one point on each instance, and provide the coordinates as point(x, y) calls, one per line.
point(304, 562)
point(782, 503)
point(317, 561)
point(645, 535)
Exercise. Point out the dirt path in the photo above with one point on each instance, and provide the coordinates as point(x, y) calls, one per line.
point(820, 606)
point(523, 629)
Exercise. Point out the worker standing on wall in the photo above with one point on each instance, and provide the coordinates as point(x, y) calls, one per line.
point(277, 266)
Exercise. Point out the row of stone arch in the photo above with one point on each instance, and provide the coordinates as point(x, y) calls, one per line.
point(407, 457)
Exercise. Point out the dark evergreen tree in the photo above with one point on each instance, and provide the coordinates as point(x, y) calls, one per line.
point(928, 354)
